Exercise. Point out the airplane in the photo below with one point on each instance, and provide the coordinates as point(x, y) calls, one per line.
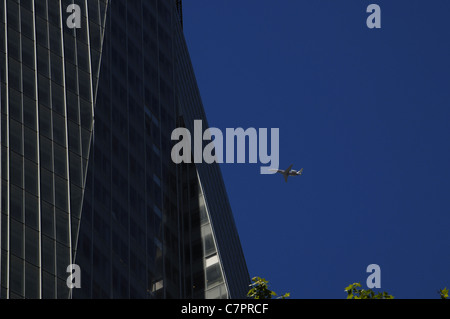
point(288, 172)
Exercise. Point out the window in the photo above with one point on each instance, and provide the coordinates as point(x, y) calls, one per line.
point(30, 144)
point(41, 27)
point(62, 261)
point(61, 193)
point(16, 282)
point(15, 105)
point(31, 211)
point(62, 227)
point(48, 255)
point(69, 48)
point(75, 169)
point(47, 222)
point(59, 129)
point(55, 36)
point(32, 246)
point(74, 138)
point(47, 186)
point(72, 107)
point(44, 90)
point(31, 284)
point(29, 85)
point(13, 43)
point(48, 286)
point(45, 121)
point(76, 199)
point(213, 274)
point(17, 238)
point(57, 98)
point(15, 74)
point(16, 137)
point(60, 160)
point(16, 169)
point(28, 52)
point(84, 85)
point(29, 111)
point(71, 77)
point(31, 177)
point(56, 68)
point(46, 153)
point(42, 58)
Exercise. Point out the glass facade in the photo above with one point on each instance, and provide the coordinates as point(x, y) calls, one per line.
point(86, 172)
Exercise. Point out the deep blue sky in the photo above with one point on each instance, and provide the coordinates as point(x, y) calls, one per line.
point(365, 112)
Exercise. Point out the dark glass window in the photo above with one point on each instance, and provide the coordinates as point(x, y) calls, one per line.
point(47, 221)
point(30, 144)
point(16, 169)
point(83, 54)
point(61, 193)
point(14, 44)
point(48, 286)
point(76, 198)
point(31, 211)
point(45, 121)
point(42, 58)
point(85, 85)
point(62, 261)
point(17, 238)
point(72, 107)
point(29, 84)
point(57, 98)
point(59, 130)
point(16, 137)
point(29, 112)
point(16, 281)
point(75, 169)
point(48, 255)
point(15, 74)
point(71, 77)
point(60, 160)
point(69, 48)
point(62, 227)
point(55, 39)
point(41, 28)
point(28, 52)
point(46, 152)
point(54, 12)
point(47, 186)
point(74, 138)
point(32, 246)
point(31, 284)
point(44, 90)
point(31, 177)
point(56, 68)
point(86, 114)
point(15, 105)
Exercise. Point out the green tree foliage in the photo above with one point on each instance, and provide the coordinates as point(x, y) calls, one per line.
point(443, 293)
point(354, 291)
point(260, 290)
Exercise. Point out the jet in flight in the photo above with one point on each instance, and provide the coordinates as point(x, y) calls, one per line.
point(288, 172)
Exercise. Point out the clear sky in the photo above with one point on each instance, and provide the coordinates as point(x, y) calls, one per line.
point(366, 112)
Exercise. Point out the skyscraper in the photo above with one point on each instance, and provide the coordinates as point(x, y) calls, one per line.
point(87, 176)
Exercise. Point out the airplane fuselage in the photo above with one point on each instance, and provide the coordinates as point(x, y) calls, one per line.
point(290, 173)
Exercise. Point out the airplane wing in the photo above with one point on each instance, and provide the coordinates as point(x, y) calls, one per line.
point(285, 177)
point(289, 169)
